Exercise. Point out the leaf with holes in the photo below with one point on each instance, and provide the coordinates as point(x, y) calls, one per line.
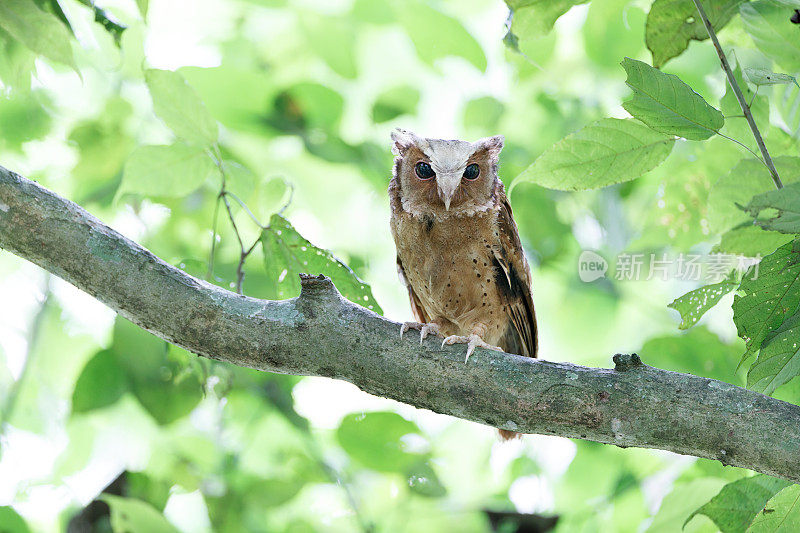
point(762, 76)
point(737, 504)
point(786, 205)
point(288, 254)
point(667, 104)
point(768, 294)
point(694, 304)
point(671, 24)
point(605, 152)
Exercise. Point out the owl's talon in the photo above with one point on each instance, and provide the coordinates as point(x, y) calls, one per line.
point(424, 329)
point(428, 329)
point(472, 341)
point(409, 325)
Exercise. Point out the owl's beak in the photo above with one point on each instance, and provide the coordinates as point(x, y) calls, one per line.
point(447, 184)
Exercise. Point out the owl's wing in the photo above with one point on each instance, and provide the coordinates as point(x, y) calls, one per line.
point(416, 306)
point(521, 335)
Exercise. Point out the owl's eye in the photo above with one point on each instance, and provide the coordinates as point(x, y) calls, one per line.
point(424, 171)
point(472, 171)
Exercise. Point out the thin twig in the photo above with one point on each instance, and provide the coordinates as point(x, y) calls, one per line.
point(240, 267)
point(739, 96)
point(233, 220)
point(7, 412)
point(210, 273)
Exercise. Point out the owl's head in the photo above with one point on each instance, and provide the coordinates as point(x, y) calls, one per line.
point(445, 177)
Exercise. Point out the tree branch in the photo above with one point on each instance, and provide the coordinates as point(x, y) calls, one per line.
point(748, 115)
point(321, 334)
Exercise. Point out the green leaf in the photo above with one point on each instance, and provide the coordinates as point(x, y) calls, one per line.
point(135, 516)
point(179, 106)
point(535, 18)
point(23, 118)
point(16, 63)
point(603, 153)
point(173, 170)
point(143, 5)
point(390, 104)
point(40, 31)
point(333, 40)
point(161, 376)
point(785, 201)
point(750, 241)
point(734, 508)
point(762, 76)
point(423, 480)
point(697, 351)
point(774, 34)
point(253, 90)
point(748, 178)
point(483, 113)
point(694, 304)
point(287, 254)
point(768, 294)
point(306, 106)
point(436, 35)
point(667, 104)
point(101, 383)
point(679, 504)
point(103, 147)
point(671, 24)
point(11, 522)
point(613, 29)
point(779, 359)
point(781, 514)
point(375, 440)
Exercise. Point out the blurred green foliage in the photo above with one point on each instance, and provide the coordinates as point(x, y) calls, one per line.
point(247, 141)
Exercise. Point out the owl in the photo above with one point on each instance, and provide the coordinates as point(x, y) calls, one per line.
point(458, 249)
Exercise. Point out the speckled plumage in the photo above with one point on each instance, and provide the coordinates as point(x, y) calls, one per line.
point(458, 250)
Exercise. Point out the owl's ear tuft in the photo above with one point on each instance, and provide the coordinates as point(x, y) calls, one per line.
point(402, 141)
point(492, 145)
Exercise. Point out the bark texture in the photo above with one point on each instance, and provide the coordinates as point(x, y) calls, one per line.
point(322, 334)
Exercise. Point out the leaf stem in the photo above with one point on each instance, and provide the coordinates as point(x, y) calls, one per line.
point(739, 96)
point(743, 146)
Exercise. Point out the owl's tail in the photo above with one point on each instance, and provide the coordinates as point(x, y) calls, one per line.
point(508, 435)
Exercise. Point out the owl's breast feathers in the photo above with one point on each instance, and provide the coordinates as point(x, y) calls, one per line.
point(466, 270)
